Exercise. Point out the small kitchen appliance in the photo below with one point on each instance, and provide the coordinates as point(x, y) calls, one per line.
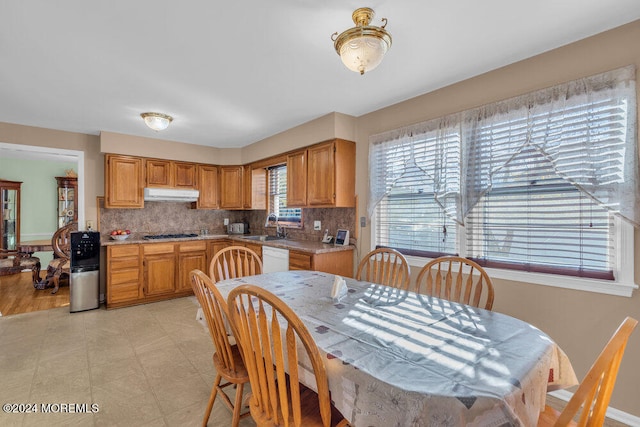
point(238, 228)
point(84, 281)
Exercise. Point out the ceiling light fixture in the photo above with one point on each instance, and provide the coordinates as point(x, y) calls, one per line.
point(156, 121)
point(363, 46)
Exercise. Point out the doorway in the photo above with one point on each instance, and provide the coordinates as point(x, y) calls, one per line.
point(36, 166)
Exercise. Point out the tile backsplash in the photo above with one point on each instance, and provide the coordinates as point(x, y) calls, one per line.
point(178, 217)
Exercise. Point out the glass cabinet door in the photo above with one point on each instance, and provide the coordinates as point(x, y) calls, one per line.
point(9, 214)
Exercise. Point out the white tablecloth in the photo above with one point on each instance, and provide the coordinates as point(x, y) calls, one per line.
point(395, 358)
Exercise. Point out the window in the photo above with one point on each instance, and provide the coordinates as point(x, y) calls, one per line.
point(529, 184)
point(290, 217)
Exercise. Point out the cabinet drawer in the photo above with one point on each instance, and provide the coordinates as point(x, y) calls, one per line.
point(123, 292)
point(123, 263)
point(299, 261)
point(193, 246)
point(158, 248)
point(123, 251)
point(123, 276)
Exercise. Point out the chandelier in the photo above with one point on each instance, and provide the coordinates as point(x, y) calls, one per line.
point(362, 47)
point(156, 121)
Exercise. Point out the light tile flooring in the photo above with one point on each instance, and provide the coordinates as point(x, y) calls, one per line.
point(148, 365)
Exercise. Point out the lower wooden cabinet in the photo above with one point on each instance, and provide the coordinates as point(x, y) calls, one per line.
point(191, 256)
point(123, 275)
point(159, 261)
point(340, 263)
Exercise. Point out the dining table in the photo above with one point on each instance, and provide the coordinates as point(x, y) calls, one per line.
point(397, 358)
point(31, 246)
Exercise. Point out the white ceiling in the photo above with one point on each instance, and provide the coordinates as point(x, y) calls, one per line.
point(232, 73)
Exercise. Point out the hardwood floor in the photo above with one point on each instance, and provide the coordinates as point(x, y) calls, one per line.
point(17, 295)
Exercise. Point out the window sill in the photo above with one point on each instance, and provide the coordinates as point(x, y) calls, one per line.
point(609, 287)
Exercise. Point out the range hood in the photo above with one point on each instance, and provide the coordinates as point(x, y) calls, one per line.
point(170, 195)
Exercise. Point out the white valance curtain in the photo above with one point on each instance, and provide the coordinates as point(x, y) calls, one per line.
point(586, 129)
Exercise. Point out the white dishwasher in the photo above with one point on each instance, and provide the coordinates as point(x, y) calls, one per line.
point(274, 259)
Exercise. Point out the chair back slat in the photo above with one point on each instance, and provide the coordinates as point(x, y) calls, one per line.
point(385, 266)
point(445, 277)
point(233, 262)
point(272, 339)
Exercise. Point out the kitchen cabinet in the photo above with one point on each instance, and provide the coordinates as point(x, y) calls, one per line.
point(159, 262)
point(255, 247)
point(215, 247)
point(124, 181)
point(170, 174)
point(9, 214)
point(329, 164)
point(340, 263)
point(67, 200)
point(208, 187)
point(123, 275)
point(231, 187)
point(297, 179)
point(191, 256)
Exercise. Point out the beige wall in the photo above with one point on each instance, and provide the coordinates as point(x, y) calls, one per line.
point(580, 322)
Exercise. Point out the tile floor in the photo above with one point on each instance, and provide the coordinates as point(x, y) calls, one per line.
point(148, 365)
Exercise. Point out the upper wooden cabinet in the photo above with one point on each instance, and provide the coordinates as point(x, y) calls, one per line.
point(231, 187)
point(170, 174)
point(297, 179)
point(208, 187)
point(323, 175)
point(331, 174)
point(258, 188)
point(124, 181)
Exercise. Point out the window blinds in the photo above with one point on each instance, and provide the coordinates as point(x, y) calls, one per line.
point(278, 195)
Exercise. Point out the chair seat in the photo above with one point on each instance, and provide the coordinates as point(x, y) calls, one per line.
point(18, 263)
point(240, 375)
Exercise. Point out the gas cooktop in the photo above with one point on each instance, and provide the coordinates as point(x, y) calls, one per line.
point(169, 236)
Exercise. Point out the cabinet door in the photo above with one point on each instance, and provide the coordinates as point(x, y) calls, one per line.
point(321, 175)
point(208, 187)
point(257, 248)
point(159, 268)
point(158, 173)
point(231, 187)
point(246, 187)
point(184, 175)
point(10, 214)
point(123, 182)
point(190, 261)
point(214, 248)
point(297, 179)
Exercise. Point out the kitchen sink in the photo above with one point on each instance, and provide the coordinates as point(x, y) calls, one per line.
point(262, 238)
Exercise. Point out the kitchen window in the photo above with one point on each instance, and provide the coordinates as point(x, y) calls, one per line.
point(527, 187)
point(287, 217)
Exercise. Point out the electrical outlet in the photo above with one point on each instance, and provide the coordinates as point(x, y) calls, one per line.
point(317, 225)
point(89, 225)
point(363, 221)
point(226, 221)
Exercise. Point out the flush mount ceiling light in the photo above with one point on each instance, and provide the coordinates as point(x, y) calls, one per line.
point(156, 121)
point(363, 46)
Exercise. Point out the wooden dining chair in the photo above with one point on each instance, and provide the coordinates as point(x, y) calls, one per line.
point(385, 266)
point(456, 279)
point(60, 266)
point(227, 358)
point(234, 261)
point(594, 392)
point(272, 338)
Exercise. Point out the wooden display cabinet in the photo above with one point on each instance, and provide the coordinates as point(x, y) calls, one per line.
point(67, 200)
point(10, 214)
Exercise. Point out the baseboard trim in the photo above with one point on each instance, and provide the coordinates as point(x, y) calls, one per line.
point(613, 413)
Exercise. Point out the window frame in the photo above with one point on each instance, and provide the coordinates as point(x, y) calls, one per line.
point(280, 222)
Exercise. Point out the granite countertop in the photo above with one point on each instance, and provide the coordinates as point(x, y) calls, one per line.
point(297, 245)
